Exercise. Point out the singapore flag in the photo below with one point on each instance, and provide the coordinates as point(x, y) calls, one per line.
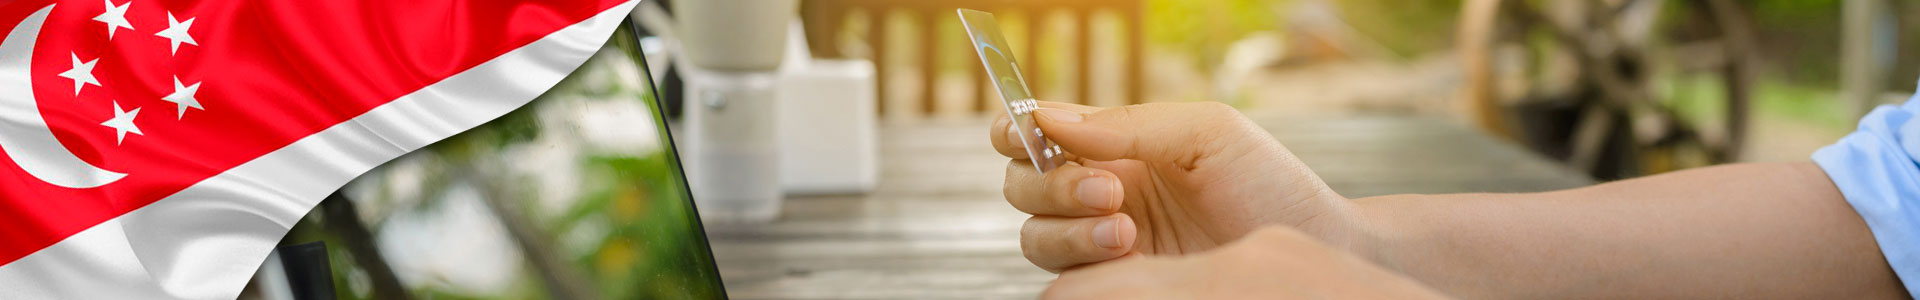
point(160, 148)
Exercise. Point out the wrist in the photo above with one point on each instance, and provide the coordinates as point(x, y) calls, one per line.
point(1340, 224)
point(1372, 233)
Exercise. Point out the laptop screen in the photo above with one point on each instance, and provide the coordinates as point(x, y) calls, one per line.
point(576, 195)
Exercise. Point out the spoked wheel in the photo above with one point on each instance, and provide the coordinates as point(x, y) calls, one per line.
point(1582, 81)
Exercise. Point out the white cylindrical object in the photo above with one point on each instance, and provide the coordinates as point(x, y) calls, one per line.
point(734, 35)
point(733, 157)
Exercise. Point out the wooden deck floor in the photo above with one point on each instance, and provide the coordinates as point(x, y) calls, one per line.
point(938, 228)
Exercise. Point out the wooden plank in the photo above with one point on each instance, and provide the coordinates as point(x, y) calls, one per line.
point(1083, 55)
point(1136, 48)
point(877, 43)
point(929, 60)
point(1036, 28)
point(878, 275)
point(981, 98)
point(1479, 22)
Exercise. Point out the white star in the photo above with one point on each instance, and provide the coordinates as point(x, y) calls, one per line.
point(115, 17)
point(183, 95)
point(82, 73)
point(177, 31)
point(122, 122)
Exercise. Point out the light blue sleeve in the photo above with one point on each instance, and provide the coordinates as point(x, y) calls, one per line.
point(1877, 168)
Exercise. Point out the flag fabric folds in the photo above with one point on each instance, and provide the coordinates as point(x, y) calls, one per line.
point(159, 148)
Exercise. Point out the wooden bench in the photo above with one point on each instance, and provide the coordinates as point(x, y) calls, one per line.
point(824, 21)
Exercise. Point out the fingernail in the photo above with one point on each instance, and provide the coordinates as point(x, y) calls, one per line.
point(1059, 115)
point(1107, 233)
point(1096, 192)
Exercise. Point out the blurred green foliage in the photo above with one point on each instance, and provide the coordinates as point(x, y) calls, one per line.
point(1700, 99)
point(1803, 36)
point(1799, 35)
point(1409, 28)
point(1203, 29)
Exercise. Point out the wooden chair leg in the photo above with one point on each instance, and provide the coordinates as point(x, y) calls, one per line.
point(877, 42)
point(929, 61)
point(1477, 31)
point(1083, 56)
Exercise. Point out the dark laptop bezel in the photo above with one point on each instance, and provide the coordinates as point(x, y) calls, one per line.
point(628, 35)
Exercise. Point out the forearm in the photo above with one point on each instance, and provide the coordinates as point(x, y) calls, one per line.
point(1755, 230)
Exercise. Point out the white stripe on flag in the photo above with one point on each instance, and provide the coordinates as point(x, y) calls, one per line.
point(206, 241)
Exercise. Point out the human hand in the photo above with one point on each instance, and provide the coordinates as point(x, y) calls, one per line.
point(1162, 179)
point(1269, 263)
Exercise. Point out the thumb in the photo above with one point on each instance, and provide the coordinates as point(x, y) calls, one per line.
point(1183, 134)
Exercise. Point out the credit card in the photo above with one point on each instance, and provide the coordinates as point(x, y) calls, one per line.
point(992, 47)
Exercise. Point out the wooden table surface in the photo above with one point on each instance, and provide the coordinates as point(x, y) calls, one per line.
point(937, 226)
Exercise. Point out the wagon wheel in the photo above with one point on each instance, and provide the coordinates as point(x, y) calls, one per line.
point(1583, 90)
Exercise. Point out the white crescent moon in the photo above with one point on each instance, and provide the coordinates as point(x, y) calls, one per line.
point(23, 134)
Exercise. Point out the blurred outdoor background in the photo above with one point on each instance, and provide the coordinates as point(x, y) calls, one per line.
point(1659, 69)
point(854, 140)
point(1378, 96)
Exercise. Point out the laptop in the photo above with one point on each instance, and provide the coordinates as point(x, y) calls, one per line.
point(578, 195)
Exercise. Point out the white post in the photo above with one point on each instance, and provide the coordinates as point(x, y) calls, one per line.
point(734, 50)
